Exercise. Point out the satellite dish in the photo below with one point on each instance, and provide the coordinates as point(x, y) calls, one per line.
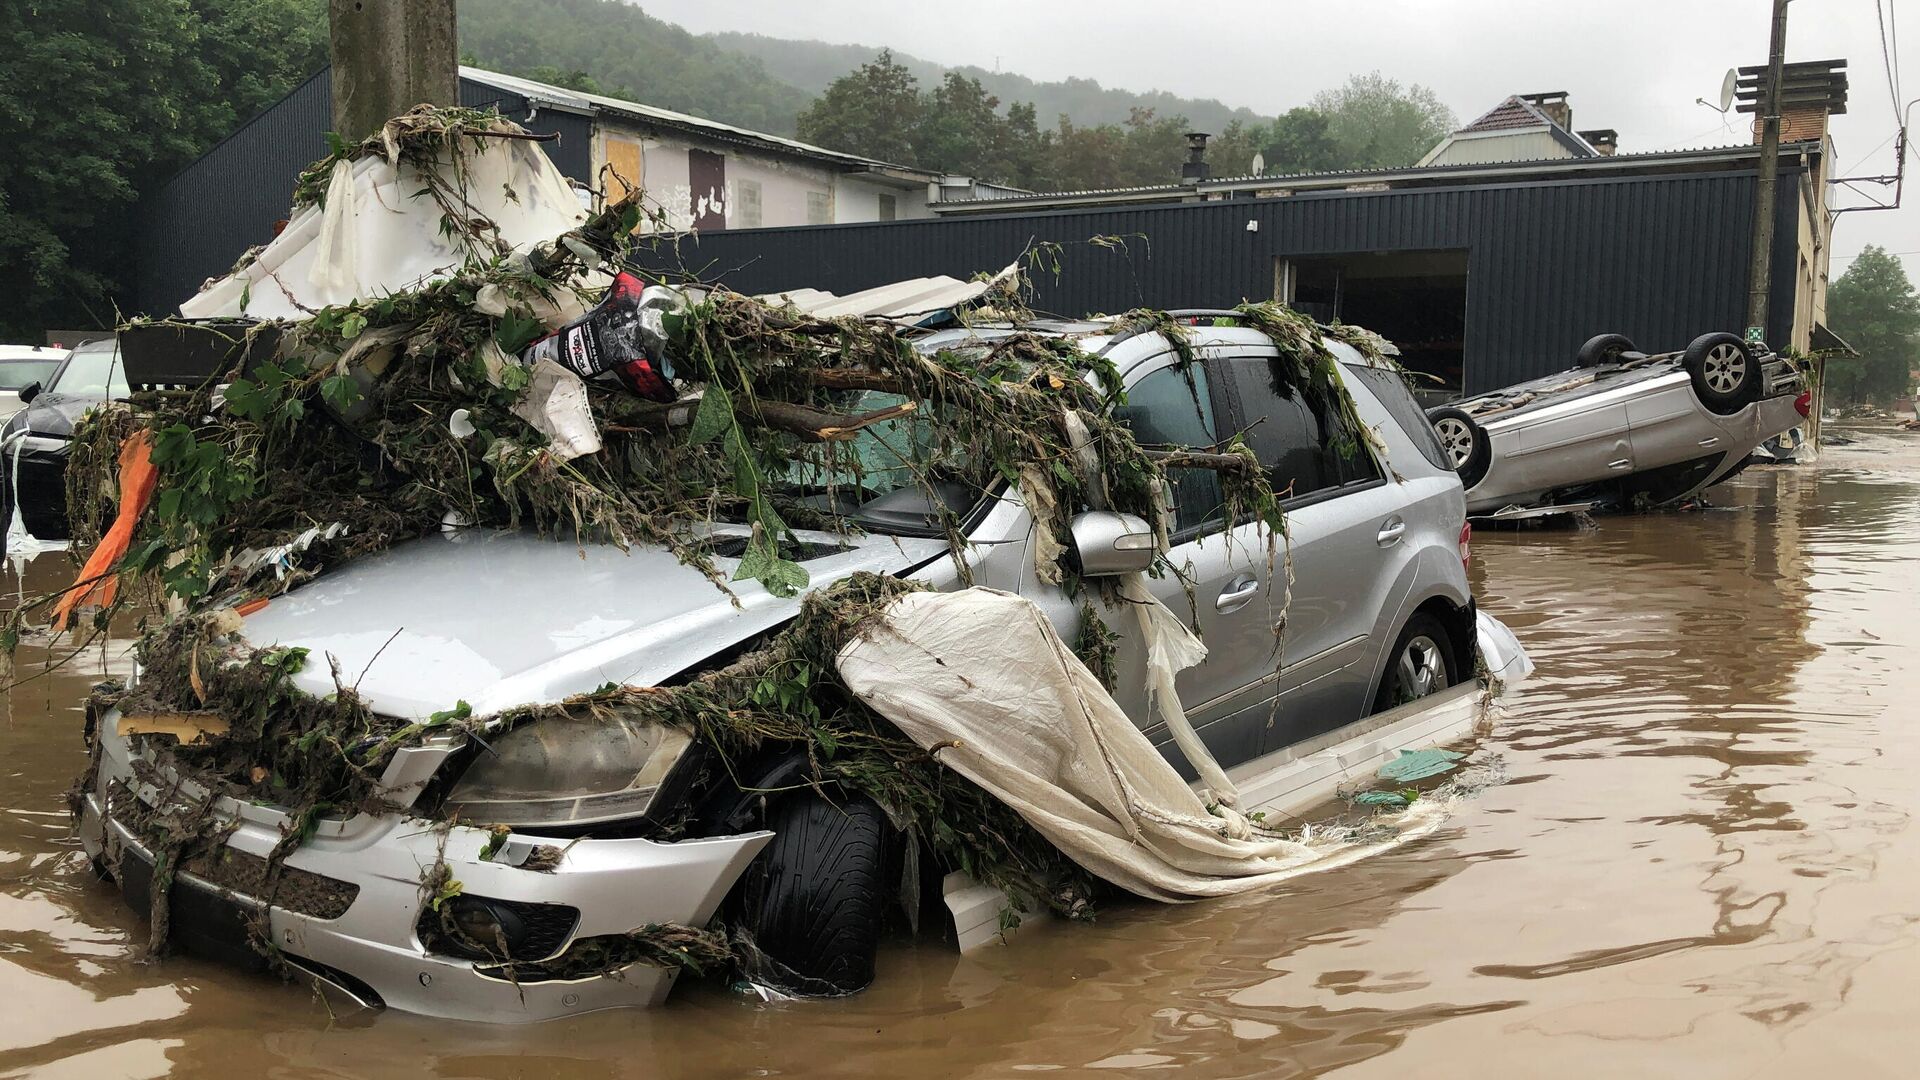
point(1726, 89)
point(1259, 164)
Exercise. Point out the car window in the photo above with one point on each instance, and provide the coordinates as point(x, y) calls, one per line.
point(15, 374)
point(1391, 388)
point(1297, 438)
point(92, 373)
point(1170, 408)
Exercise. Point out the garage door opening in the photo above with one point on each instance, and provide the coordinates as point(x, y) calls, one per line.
point(1415, 299)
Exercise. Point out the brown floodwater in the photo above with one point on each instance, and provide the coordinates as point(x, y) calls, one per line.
point(1705, 865)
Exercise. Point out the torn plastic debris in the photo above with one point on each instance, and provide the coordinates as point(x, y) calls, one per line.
point(279, 557)
point(1414, 765)
point(624, 334)
point(556, 405)
point(980, 678)
point(373, 238)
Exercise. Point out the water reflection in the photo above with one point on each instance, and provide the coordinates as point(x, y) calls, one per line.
point(1704, 861)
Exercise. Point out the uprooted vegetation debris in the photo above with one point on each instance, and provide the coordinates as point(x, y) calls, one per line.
point(374, 422)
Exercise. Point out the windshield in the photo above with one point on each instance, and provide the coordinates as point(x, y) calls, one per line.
point(15, 374)
point(94, 371)
point(875, 477)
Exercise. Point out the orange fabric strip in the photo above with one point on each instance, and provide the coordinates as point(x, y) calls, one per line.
point(98, 583)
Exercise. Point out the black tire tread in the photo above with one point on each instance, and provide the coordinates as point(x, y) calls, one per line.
point(1596, 348)
point(817, 896)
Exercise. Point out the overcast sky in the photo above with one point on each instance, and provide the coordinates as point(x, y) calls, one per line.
point(1632, 65)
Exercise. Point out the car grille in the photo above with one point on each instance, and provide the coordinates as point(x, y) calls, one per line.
point(246, 875)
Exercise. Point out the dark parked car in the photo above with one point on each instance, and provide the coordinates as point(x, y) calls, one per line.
point(35, 439)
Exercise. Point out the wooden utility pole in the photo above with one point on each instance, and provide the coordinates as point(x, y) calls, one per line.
point(388, 56)
point(1760, 276)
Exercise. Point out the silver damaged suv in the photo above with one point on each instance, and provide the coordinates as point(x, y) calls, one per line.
point(609, 832)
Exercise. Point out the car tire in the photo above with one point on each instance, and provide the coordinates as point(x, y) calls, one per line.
point(1726, 377)
point(1464, 441)
point(1426, 649)
point(1603, 349)
point(815, 899)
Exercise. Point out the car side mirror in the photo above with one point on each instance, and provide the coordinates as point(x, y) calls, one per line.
point(1106, 543)
point(29, 392)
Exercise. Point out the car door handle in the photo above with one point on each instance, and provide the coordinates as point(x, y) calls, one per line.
point(1237, 593)
point(1619, 463)
point(1391, 532)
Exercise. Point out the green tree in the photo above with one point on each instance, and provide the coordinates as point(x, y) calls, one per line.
point(874, 111)
point(626, 53)
point(258, 50)
point(1301, 141)
point(1874, 307)
point(1296, 142)
point(132, 95)
point(1376, 123)
point(101, 100)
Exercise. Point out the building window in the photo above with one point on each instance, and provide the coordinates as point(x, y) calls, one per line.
point(746, 204)
point(887, 209)
point(819, 208)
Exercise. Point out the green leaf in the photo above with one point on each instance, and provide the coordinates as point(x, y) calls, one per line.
point(340, 391)
point(515, 332)
point(762, 563)
point(715, 417)
point(352, 325)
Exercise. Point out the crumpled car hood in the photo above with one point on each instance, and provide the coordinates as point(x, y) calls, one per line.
point(498, 619)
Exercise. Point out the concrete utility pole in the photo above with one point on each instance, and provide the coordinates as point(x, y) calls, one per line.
point(388, 56)
point(1760, 277)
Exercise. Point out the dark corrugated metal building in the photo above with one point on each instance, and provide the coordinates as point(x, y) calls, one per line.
point(1485, 275)
point(245, 177)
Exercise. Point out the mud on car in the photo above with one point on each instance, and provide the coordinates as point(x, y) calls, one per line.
point(1622, 427)
point(585, 832)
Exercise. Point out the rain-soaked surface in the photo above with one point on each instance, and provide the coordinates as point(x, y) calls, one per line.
point(1705, 865)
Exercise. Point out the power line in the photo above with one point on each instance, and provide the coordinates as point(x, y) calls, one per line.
point(1886, 59)
point(1893, 31)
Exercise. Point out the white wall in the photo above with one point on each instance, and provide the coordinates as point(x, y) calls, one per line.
point(1477, 148)
point(859, 200)
point(784, 185)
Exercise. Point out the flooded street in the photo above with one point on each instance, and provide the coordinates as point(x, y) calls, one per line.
point(1704, 865)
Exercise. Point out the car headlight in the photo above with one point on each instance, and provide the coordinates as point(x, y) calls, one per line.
point(562, 771)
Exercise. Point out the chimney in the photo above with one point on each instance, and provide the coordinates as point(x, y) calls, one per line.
point(1605, 140)
point(1196, 168)
point(1554, 104)
point(1810, 92)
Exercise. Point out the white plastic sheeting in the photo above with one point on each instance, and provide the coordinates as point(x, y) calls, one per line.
point(900, 300)
point(376, 234)
point(980, 678)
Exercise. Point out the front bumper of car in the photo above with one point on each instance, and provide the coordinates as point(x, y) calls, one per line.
point(348, 904)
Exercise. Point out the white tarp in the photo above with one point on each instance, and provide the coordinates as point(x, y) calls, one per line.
point(981, 675)
point(376, 233)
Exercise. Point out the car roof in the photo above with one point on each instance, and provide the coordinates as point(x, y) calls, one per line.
point(31, 352)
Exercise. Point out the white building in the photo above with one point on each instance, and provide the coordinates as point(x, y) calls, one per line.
point(706, 175)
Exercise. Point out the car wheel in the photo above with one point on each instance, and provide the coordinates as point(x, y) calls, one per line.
point(1464, 441)
point(1603, 349)
point(1725, 375)
point(815, 898)
point(1420, 664)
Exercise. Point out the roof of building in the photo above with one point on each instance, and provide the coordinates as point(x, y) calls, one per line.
point(1477, 172)
point(1509, 114)
point(559, 97)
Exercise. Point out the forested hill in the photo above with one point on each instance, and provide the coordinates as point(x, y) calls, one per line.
point(811, 65)
point(615, 48)
point(749, 79)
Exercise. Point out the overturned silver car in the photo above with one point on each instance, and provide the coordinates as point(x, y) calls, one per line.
point(1622, 427)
